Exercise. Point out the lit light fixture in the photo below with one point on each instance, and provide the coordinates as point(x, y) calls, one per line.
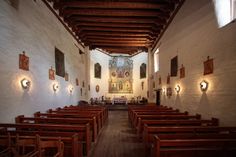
point(163, 90)
point(71, 89)
point(204, 85)
point(55, 87)
point(177, 89)
point(25, 83)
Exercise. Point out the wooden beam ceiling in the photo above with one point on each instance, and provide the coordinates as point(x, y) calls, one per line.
point(113, 5)
point(114, 13)
point(117, 26)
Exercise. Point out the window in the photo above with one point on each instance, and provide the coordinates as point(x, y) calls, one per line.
point(225, 11)
point(156, 60)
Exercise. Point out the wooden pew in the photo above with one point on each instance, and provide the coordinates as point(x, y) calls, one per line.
point(43, 145)
point(5, 145)
point(71, 121)
point(37, 146)
point(84, 129)
point(68, 115)
point(194, 147)
point(25, 146)
point(97, 114)
point(164, 117)
point(88, 108)
point(132, 110)
point(149, 131)
point(71, 140)
point(153, 112)
point(180, 122)
point(104, 110)
point(141, 115)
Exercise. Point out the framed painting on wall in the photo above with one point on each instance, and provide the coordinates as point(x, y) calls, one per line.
point(51, 74)
point(24, 62)
point(208, 66)
point(143, 70)
point(182, 71)
point(77, 82)
point(174, 66)
point(60, 63)
point(66, 77)
point(168, 79)
point(97, 88)
point(97, 70)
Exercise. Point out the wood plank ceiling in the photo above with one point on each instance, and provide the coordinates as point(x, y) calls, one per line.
point(118, 26)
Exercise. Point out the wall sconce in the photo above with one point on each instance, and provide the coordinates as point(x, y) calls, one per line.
point(55, 87)
point(177, 89)
point(25, 83)
point(204, 85)
point(71, 89)
point(163, 90)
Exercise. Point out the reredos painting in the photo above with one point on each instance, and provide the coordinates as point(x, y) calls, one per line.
point(121, 75)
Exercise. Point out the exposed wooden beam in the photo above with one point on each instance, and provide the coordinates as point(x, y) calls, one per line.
point(118, 38)
point(62, 22)
point(121, 50)
point(108, 24)
point(119, 34)
point(117, 26)
point(114, 13)
point(119, 47)
point(181, 2)
point(130, 52)
point(114, 5)
point(136, 20)
point(95, 41)
point(121, 44)
point(109, 36)
point(113, 29)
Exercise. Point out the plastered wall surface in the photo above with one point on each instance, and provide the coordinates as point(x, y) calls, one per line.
point(31, 27)
point(193, 35)
point(103, 59)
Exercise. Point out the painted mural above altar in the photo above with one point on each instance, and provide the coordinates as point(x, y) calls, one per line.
point(121, 75)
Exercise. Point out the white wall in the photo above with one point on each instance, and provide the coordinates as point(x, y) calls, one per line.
point(137, 61)
point(103, 60)
point(34, 29)
point(193, 35)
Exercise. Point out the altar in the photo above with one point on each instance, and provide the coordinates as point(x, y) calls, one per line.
point(119, 101)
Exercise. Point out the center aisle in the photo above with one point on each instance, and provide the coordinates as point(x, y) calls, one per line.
point(118, 139)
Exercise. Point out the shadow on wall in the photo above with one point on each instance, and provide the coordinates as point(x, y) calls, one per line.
point(26, 103)
point(13, 3)
point(163, 100)
point(204, 107)
point(178, 103)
